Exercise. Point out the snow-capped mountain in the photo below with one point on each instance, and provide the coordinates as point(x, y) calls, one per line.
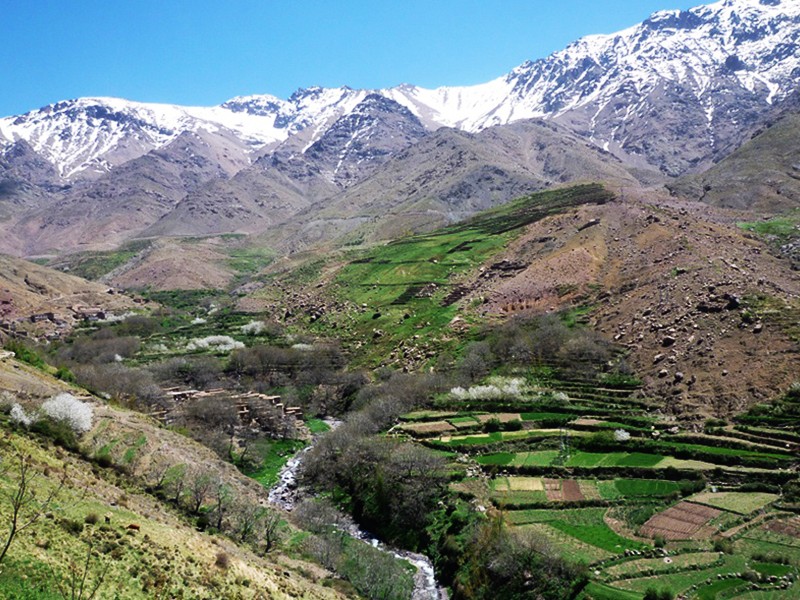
point(89, 136)
point(691, 79)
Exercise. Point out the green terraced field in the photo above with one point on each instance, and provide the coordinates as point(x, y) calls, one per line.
point(545, 458)
point(636, 488)
point(584, 524)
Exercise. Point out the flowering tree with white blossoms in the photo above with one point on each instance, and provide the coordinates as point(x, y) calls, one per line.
point(64, 408)
point(620, 435)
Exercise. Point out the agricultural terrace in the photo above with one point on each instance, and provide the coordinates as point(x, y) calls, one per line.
point(590, 466)
point(403, 296)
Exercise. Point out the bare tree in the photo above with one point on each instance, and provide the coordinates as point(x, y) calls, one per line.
point(271, 529)
point(78, 586)
point(175, 481)
point(246, 517)
point(222, 494)
point(199, 488)
point(27, 502)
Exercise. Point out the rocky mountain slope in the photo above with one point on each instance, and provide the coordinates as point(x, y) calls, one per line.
point(672, 94)
point(105, 211)
point(448, 177)
point(706, 72)
point(706, 316)
point(764, 174)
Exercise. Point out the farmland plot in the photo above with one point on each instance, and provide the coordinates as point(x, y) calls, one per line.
point(584, 524)
point(743, 503)
point(427, 428)
point(787, 527)
point(632, 567)
point(684, 521)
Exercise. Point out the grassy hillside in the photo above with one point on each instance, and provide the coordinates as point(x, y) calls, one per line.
point(407, 290)
point(137, 545)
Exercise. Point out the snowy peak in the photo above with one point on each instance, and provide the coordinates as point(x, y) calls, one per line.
point(375, 129)
point(672, 91)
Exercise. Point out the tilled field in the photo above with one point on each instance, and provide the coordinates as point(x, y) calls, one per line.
point(684, 521)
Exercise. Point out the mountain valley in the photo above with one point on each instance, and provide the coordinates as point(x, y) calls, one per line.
point(533, 338)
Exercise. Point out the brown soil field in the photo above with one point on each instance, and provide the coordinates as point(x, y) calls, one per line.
point(790, 527)
point(502, 417)
point(571, 491)
point(683, 521)
point(552, 488)
point(589, 490)
point(434, 427)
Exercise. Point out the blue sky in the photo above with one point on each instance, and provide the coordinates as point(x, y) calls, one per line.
point(202, 52)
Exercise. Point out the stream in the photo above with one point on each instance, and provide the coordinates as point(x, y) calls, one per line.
point(286, 494)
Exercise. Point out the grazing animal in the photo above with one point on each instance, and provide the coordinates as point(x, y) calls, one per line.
point(134, 527)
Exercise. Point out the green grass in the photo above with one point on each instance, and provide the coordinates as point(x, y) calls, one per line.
point(601, 591)
point(498, 458)
point(316, 426)
point(722, 451)
point(768, 569)
point(497, 437)
point(710, 592)
point(566, 545)
point(613, 459)
point(645, 487)
point(584, 524)
point(93, 265)
point(405, 284)
point(546, 458)
point(274, 454)
point(36, 585)
point(250, 260)
point(781, 229)
point(502, 497)
point(742, 503)
point(464, 421)
point(547, 416)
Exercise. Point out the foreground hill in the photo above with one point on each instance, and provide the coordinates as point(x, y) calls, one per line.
point(147, 549)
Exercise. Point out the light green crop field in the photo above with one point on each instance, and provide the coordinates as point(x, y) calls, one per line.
point(742, 503)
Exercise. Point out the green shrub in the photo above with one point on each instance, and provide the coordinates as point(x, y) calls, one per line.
point(64, 374)
point(25, 354)
point(72, 526)
point(59, 431)
point(492, 425)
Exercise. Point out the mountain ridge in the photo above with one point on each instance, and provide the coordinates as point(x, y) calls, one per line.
point(743, 47)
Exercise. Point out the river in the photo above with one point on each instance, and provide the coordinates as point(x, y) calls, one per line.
point(286, 494)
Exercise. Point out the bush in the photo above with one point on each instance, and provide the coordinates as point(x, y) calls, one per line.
point(72, 526)
point(60, 418)
point(91, 519)
point(223, 560)
point(653, 594)
point(25, 354)
point(492, 425)
point(723, 545)
point(216, 343)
